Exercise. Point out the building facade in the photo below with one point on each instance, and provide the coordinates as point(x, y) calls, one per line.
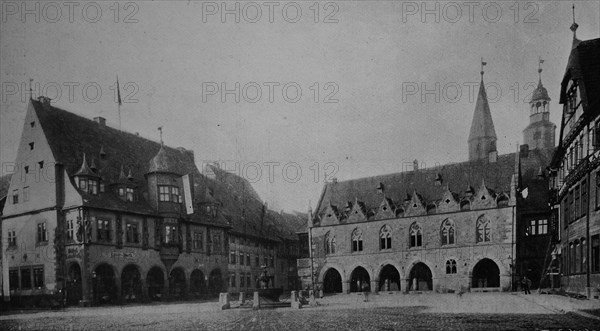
point(100, 215)
point(575, 169)
point(457, 227)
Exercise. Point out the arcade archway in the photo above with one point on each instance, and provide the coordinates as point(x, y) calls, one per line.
point(215, 282)
point(156, 282)
point(197, 283)
point(486, 274)
point(420, 278)
point(332, 282)
point(104, 285)
point(177, 283)
point(131, 283)
point(360, 280)
point(389, 279)
point(74, 290)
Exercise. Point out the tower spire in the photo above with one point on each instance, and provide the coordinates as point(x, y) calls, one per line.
point(574, 26)
point(540, 70)
point(160, 132)
point(482, 65)
point(482, 137)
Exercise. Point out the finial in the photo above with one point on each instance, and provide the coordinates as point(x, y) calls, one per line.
point(482, 65)
point(574, 26)
point(160, 131)
point(130, 175)
point(540, 69)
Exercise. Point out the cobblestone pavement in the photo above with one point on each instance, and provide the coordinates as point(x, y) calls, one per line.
point(337, 313)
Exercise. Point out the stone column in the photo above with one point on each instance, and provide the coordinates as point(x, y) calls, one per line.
point(404, 285)
point(242, 297)
point(346, 286)
point(374, 285)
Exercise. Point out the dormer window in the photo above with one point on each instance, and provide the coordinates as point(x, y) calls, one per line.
point(88, 185)
point(129, 194)
point(121, 192)
point(83, 184)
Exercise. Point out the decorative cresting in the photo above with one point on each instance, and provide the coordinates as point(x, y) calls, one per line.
point(386, 210)
point(484, 198)
point(358, 212)
point(416, 206)
point(449, 202)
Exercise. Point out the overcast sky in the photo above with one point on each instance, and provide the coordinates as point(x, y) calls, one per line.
point(369, 59)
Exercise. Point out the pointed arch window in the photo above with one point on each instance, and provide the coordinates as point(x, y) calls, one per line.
point(416, 235)
point(451, 266)
point(483, 230)
point(448, 232)
point(385, 237)
point(329, 243)
point(357, 240)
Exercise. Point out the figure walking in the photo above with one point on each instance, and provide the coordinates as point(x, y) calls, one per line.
point(526, 283)
point(365, 289)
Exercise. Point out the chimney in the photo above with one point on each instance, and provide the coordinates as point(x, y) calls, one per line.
point(524, 152)
point(493, 156)
point(100, 120)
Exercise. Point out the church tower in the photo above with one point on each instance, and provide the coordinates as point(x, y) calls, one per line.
point(482, 138)
point(540, 132)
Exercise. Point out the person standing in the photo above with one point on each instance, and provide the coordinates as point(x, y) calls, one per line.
point(525, 284)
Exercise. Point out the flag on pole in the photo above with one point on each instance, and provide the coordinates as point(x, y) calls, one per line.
point(118, 93)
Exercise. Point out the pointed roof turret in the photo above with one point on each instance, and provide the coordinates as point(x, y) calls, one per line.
point(161, 162)
point(482, 137)
point(540, 93)
point(85, 169)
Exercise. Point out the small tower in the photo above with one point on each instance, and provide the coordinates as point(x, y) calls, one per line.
point(482, 138)
point(540, 132)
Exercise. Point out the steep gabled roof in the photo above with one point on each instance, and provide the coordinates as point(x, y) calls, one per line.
point(584, 66)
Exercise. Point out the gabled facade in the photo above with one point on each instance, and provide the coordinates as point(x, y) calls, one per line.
point(106, 216)
point(576, 171)
point(454, 227)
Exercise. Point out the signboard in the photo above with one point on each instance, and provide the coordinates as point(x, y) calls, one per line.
point(187, 193)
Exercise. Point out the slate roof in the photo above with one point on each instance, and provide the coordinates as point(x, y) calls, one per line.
point(482, 125)
point(458, 177)
point(584, 65)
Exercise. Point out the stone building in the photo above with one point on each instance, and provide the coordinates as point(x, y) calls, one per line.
point(109, 216)
point(576, 170)
point(462, 226)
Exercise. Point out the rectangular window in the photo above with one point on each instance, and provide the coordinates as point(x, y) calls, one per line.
point(257, 260)
point(577, 211)
point(15, 197)
point(83, 184)
point(121, 192)
point(571, 207)
point(129, 194)
point(531, 228)
point(103, 232)
point(26, 278)
point(170, 234)
point(93, 187)
point(12, 238)
point(232, 256)
point(13, 279)
point(163, 193)
point(595, 254)
point(197, 241)
point(26, 169)
point(41, 164)
point(175, 194)
point(242, 280)
point(247, 259)
point(31, 146)
point(241, 258)
point(232, 277)
point(132, 231)
point(38, 276)
point(248, 280)
point(26, 193)
point(542, 227)
point(272, 261)
point(583, 256)
point(42, 233)
point(584, 198)
point(70, 230)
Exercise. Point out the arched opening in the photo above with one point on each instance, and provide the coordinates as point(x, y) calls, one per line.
point(177, 283)
point(486, 274)
point(360, 280)
point(332, 282)
point(420, 278)
point(131, 283)
point(389, 279)
point(74, 292)
point(104, 286)
point(215, 282)
point(197, 283)
point(156, 283)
